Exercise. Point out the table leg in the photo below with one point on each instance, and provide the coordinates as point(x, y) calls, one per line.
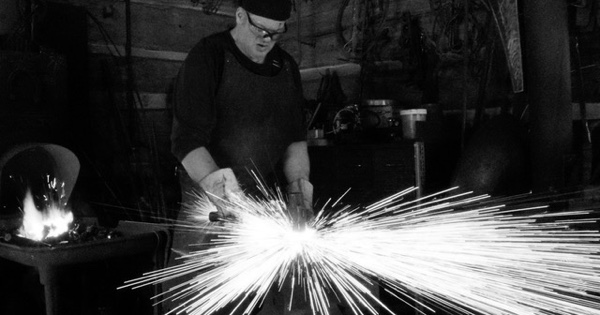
point(48, 278)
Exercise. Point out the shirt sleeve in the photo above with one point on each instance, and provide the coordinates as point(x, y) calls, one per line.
point(300, 132)
point(194, 108)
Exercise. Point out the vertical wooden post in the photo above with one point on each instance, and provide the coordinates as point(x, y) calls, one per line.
point(548, 87)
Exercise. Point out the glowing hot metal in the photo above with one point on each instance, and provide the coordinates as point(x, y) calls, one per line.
point(458, 252)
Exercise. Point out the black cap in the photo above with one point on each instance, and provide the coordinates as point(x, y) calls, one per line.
point(278, 10)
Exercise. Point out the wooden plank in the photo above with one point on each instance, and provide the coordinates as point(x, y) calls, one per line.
point(149, 101)
point(119, 50)
point(349, 83)
point(318, 18)
point(341, 70)
point(162, 31)
point(154, 27)
point(164, 25)
point(155, 71)
point(168, 28)
point(154, 101)
point(162, 28)
point(592, 111)
point(319, 30)
point(325, 53)
point(155, 127)
point(150, 75)
point(146, 101)
point(226, 8)
point(155, 76)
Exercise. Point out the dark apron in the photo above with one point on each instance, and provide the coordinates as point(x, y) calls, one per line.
point(255, 125)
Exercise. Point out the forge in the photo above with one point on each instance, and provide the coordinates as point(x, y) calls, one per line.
point(83, 244)
point(74, 257)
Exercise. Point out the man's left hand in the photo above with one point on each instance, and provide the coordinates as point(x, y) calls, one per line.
point(305, 188)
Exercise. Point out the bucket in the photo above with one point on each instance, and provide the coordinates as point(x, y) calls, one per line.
point(409, 118)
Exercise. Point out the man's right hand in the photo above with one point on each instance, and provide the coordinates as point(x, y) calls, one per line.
point(219, 186)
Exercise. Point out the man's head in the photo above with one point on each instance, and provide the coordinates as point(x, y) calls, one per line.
point(278, 10)
point(260, 23)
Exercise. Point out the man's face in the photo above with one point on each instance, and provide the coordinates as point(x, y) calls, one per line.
point(260, 34)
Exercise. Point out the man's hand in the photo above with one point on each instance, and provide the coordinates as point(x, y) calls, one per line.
point(303, 187)
point(300, 202)
point(219, 186)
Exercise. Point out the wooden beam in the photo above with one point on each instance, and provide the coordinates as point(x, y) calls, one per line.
point(97, 48)
point(307, 73)
point(345, 69)
point(224, 10)
point(153, 101)
point(154, 27)
point(592, 111)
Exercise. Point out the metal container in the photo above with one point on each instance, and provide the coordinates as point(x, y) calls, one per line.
point(410, 117)
point(377, 113)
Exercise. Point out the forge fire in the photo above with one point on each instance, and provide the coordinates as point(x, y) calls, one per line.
point(54, 224)
point(47, 223)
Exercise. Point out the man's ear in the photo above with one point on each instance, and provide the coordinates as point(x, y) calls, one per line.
point(239, 15)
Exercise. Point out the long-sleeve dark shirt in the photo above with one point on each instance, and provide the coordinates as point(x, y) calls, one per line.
point(246, 114)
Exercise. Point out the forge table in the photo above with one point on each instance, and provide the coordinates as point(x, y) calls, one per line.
point(135, 238)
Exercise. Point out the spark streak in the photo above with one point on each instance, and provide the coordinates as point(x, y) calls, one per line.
point(463, 253)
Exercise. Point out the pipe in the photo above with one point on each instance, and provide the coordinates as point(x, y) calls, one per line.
point(465, 52)
point(548, 80)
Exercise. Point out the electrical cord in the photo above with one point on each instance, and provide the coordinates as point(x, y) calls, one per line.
point(298, 8)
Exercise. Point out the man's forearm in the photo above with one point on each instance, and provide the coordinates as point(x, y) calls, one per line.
point(199, 163)
point(296, 164)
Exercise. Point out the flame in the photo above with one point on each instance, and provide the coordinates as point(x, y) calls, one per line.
point(39, 225)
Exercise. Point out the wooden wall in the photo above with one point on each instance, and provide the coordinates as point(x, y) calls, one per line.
point(126, 161)
point(132, 119)
point(163, 31)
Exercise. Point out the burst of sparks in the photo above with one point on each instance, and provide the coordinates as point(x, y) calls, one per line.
point(463, 253)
